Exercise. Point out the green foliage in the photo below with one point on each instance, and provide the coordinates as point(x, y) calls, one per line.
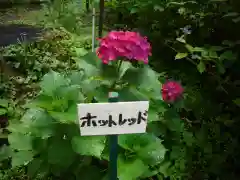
point(195, 42)
point(48, 131)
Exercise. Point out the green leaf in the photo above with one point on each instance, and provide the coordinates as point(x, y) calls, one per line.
point(70, 116)
point(3, 111)
point(132, 76)
point(189, 48)
point(39, 122)
point(123, 68)
point(177, 152)
point(5, 152)
point(51, 81)
point(181, 55)
point(71, 92)
point(201, 67)
point(34, 166)
point(90, 63)
point(133, 10)
point(164, 168)
point(145, 79)
point(236, 20)
point(90, 85)
point(173, 121)
point(89, 145)
point(188, 138)
point(20, 141)
point(153, 153)
point(237, 101)
point(131, 94)
point(152, 115)
point(60, 152)
point(4, 103)
point(80, 51)
point(149, 173)
point(135, 142)
point(101, 93)
point(149, 83)
point(109, 72)
point(130, 169)
point(158, 8)
point(157, 128)
point(231, 14)
point(37, 118)
point(41, 101)
point(76, 77)
point(227, 55)
point(21, 158)
point(180, 39)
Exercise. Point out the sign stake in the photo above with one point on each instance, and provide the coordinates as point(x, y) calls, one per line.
point(113, 144)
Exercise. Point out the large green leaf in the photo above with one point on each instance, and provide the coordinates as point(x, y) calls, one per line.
point(38, 123)
point(89, 86)
point(181, 55)
point(164, 168)
point(150, 83)
point(51, 81)
point(148, 147)
point(101, 93)
point(130, 169)
point(133, 76)
point(21, 158)
point(150, 173)
point(188, 138)
point(71, 92)
point(2, 111)
point(152, 115)
point(89, 145)
point(153, 153)
point(60, 152)
point(131, 94)
point(70, 116)
point(90, 63)
point(135, 142)
point(41, 101)
point(76, 77)
point(34, 166)
point(4, 103)
point(37, 117)
point(124, 67)
point(20, 141)
point(5, 152)
point(109, 72)
point(146, 79)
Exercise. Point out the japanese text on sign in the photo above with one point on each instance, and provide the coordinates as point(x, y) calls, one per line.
point(113, 118)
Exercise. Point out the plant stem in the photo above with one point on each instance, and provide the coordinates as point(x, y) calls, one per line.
point(119, 65)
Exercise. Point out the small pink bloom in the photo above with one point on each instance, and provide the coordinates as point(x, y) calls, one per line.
point(124, 44)
point(171, 91)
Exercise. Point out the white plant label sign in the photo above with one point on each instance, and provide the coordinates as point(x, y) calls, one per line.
point(113, 118)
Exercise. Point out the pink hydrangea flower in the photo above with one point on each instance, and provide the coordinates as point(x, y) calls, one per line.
point(171, 91)
point(125, 44)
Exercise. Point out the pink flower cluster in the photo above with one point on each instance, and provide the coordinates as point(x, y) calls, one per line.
point(125, 44)
point(171, 91)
